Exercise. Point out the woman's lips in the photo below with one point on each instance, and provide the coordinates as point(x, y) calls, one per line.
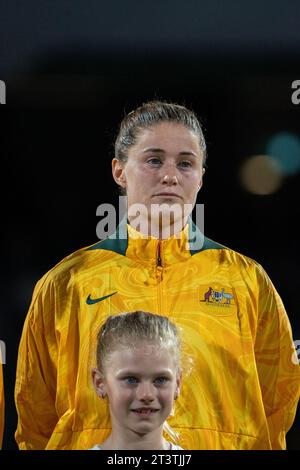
point(167, 194)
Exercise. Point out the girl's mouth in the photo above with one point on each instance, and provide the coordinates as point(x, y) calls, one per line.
point(145, 411)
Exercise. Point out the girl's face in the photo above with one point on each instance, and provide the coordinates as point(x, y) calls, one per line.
point(141, 384)
point(164, 166)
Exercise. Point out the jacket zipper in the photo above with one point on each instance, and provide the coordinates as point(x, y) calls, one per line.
point(159, 272)
point(158, 257)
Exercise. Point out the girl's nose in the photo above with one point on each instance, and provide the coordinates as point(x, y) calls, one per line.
point(145, 391)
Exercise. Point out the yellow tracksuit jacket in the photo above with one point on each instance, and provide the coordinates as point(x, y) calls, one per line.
point(244, 386)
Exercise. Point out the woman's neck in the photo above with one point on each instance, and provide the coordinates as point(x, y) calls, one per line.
point(156, 228)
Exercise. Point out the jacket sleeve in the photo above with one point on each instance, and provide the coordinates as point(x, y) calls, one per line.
point(35, 388)
point(277, 363)
point(1, 403)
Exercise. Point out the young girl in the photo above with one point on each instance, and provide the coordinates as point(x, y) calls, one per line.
point(138, 371)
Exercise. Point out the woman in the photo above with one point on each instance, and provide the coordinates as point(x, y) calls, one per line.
point(245, 386)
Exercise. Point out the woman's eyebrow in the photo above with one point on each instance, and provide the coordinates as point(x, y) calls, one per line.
point(158, 150)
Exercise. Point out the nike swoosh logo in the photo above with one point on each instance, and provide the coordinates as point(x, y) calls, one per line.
point(90, 301)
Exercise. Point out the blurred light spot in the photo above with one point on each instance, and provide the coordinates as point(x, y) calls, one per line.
point(260, 175)
point(284, 148)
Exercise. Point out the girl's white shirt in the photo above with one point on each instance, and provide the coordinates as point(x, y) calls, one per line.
point(172, 447)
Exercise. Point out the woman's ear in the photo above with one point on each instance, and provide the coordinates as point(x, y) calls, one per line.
point(201, 181)
point(98, 382)
point(118, 171)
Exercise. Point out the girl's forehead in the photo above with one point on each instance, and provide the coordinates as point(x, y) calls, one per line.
point(143, 358)
point(144, 350)
point(148, 349)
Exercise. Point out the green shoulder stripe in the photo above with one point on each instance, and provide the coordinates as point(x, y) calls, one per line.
point(117, 241)
point(198, 241)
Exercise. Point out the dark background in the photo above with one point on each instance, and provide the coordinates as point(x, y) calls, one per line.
point(72, 69)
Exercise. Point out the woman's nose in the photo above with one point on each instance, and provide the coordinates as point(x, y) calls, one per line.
point(170, 179)
point(169, 174)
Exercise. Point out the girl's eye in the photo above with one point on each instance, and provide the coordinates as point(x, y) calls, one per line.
point(154, 161)
point(161, 380)
point(131, 380)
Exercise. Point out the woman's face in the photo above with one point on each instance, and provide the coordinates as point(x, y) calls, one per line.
point(164, 166)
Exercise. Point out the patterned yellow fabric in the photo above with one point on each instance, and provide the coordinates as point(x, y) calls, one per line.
point(243, 388)
point(1, 402)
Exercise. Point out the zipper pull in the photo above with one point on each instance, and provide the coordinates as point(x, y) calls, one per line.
point(158, 255)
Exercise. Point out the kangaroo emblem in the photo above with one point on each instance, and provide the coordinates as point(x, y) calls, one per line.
point(207, 295)
point(217, 297)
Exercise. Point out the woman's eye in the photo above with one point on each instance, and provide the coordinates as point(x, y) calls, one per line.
point(186, 164)
point(154, 161)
